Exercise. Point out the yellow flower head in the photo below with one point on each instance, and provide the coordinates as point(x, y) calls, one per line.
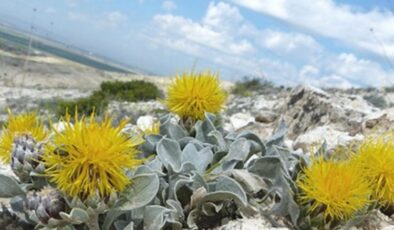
point(336, 187)
point(375, 159)
point(191, 95)
point(90, 158)
point(27, 123)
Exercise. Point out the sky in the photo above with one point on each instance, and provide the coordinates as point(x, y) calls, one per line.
point(322, 43)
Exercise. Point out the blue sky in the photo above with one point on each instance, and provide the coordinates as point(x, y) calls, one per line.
point(316, 42)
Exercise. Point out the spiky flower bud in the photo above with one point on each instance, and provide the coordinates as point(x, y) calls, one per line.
point(46, 204)
point(26, 157)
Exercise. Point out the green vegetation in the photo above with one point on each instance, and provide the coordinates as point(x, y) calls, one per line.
point(389, 89)
point(130, 91)
point(248, 85)
point(376, 100)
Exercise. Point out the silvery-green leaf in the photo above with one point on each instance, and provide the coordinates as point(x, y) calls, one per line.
point(203, 128)
point(110, 217)
point(177, 213)
point(149, 146)
point(267, 167)
point(154, 217)
point(227, 184)
point(239, 150)
point(279, 134)
point(211, 209)
point(172, 129)
point(255, 139)
point(191, 219)
point(169, 152)
point(76, 216)
point(177, 182)
point(222, 196)
point(145, 169)
point(200, 159)
point(249, 181)
point(220, 142)
point(286, 205)
point(9, 187)
point(123, 225)
point(155, 164)
point(143, 189)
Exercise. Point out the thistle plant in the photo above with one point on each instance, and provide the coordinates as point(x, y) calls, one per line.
point(24, 124)
point(26, 158)
point(90, 158)
point(337, 188)
point(375, 159)
point(191, 95)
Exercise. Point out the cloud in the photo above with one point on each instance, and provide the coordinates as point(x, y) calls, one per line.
point(114, 19)
point(181, 28)
point(224, 37)
point(346, 70)
point(333, 20)
point(168, 5)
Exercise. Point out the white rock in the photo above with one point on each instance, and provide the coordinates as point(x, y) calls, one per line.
point(324, 133)
point(240, 120)
point(257, 223)
point(146, 122)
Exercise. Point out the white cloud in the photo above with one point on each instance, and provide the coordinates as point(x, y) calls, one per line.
point(333, 20)
point(181, 28)
point(346, 70)
point(224, 37)
point(114, 19)
point(168, 5)
point(222, 17)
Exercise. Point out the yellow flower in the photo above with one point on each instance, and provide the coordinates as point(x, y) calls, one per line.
point(336, 187)
point(191, 95)
point(27, 123)
point(90, 158)
point(375, 158)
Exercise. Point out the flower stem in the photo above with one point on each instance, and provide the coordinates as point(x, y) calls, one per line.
point(93, 223)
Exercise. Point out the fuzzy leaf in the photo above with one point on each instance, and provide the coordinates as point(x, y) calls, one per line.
point(219, 139)
point(251, 182)
point(255, 139)
point(227, 184)
point(169, 152)
point(199, 159)
point(154, 217)
point(142, 191)
point(110, 217)
point(239, 150)
point(9, 187)
point(171, 129)
point(204, 128)
point(279, 134)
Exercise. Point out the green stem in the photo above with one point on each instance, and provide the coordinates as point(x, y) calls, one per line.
point(93, 223)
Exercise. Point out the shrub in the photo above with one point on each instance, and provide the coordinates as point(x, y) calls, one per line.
point(376, 100)
point(247, 85)
point(389, 89)
point(130, 91)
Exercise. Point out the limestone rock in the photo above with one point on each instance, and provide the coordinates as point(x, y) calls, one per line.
point(318, 135)
point(240, 120)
